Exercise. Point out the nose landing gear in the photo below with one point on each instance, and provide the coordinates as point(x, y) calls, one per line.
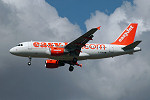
point(29, 63)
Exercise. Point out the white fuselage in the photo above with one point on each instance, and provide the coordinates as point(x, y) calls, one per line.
point(90, 51)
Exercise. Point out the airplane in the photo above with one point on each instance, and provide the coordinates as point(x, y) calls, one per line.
point(61, 53)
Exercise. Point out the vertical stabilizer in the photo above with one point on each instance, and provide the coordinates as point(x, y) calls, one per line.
point(127, 37)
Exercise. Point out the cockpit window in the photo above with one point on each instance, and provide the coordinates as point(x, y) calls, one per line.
point(20, 45)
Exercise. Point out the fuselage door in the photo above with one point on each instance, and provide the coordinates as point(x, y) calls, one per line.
point(30, 45)
point(111, 48)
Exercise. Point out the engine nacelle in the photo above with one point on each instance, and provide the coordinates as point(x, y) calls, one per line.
point(57, 51)
point(53, 63)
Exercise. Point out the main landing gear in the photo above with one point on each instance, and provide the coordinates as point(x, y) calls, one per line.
point(71, 68)
point(29, 63)
point(74, 62)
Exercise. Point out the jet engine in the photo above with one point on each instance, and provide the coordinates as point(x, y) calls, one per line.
point(53, 63)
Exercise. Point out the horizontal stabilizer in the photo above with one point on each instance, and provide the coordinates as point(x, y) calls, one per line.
point(132, 45)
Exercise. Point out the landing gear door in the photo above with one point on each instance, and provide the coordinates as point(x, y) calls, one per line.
point(30, 45)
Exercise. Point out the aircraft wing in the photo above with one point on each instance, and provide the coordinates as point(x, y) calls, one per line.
point(75, 46)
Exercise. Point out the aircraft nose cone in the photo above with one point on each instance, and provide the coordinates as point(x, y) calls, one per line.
point(12, 51)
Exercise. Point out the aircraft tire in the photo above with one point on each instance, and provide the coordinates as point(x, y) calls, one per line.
point(29, 63)
point(71, 68)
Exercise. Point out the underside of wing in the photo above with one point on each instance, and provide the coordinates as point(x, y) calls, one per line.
point(75, 46)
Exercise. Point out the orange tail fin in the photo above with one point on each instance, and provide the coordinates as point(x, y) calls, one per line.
point(127, 37)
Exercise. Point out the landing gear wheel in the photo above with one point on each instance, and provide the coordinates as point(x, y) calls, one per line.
point(29, 63)
point(74, 60)
point(71, 68)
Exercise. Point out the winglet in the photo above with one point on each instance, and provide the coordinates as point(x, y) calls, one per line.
point(99, 27)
